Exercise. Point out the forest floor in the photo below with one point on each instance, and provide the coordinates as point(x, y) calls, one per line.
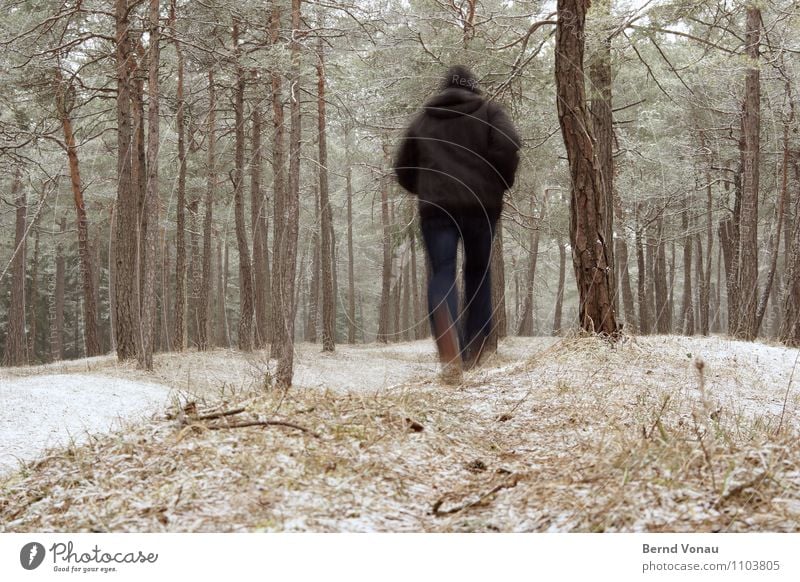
point(659, 433)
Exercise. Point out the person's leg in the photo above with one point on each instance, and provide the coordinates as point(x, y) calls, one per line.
point(440, 235)
point(478, 234)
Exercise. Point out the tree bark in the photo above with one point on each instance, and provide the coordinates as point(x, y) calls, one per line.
point(126, 225)
point(326, 225)
point(57, 331)
point(687, 310)
point(621, 258)
point(64, 95)
point(641, 287)
point(351, 285)
point(245, 269)
point(527, 320)
point(179, 331)
point(590, 253)
point(203, 304)
point(749, 146)
point(152, 202)
point(283, 375)
point(258, 226)
point(16, 349)
point(562, 267)
point(278, 304)
point(386, 272)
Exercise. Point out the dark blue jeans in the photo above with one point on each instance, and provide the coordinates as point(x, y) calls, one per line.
point(441, 233)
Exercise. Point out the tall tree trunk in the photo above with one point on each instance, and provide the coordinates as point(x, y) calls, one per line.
point(64, 95)
point(663, 315)
point(790, 325)
point(351, 285)
point(641, 288)
point(16, 349)
point(179, 331)
point(283, 376)
point(312, 312)
point(386, 273)
point(527, 320)
point(326, 225)
point(625, 282)
point(278, 305)
point(203, 299)
point(57, 331)
point(749, 145)
point(775, 239)
point(126, 300)
point(258, 226)
point(498, 282)
point(590, 254)
point(603, 130)
point(245, 269)
point(152, 201)
point(687, 310)
point(562, 267)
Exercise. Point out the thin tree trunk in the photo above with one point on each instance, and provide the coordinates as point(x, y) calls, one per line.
point(283, 376)
point(245, 269)
point(16, 349)
point(351, 285)
point(641, 288)
point(258, 226)
point(203, 300)
point(179, 331)
point(687, 310)
point(590, 252)
point(312, 311)
point(326, 224)
point(498, 284)
point(663, 316)
point(562, 267)
point(386, 273)
point(527, 320)
point(625, 281)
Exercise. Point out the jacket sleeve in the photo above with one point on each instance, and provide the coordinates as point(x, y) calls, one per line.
point(406, 163)
point(504, 144)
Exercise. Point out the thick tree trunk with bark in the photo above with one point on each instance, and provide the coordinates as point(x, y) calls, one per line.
point(152, 203)
point(749, 145)
point(278, 304)
point(590, 254)
point(126, 303)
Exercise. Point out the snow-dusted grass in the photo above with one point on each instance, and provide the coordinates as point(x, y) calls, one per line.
point(54, 410)
point(552, 435)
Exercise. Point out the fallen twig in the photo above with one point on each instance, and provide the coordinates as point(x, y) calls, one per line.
point(213, 415)
point(249, 423)
point(510, 482)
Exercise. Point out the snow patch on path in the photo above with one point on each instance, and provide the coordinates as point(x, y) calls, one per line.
point(44, 411)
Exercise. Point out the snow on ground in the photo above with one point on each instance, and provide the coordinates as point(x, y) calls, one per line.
point(43, 411)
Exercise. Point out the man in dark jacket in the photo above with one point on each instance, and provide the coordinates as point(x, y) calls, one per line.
point(458, 157)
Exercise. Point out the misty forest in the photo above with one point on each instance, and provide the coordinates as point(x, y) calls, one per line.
point(199, 204)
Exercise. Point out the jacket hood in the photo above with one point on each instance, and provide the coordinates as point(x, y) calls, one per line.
point(453, 102)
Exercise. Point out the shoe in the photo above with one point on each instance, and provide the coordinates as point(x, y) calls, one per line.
point(445, 335)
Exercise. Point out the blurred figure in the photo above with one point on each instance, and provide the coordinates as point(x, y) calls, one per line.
point(459, 156)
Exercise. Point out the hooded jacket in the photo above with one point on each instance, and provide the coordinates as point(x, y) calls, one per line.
point(460, 154)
